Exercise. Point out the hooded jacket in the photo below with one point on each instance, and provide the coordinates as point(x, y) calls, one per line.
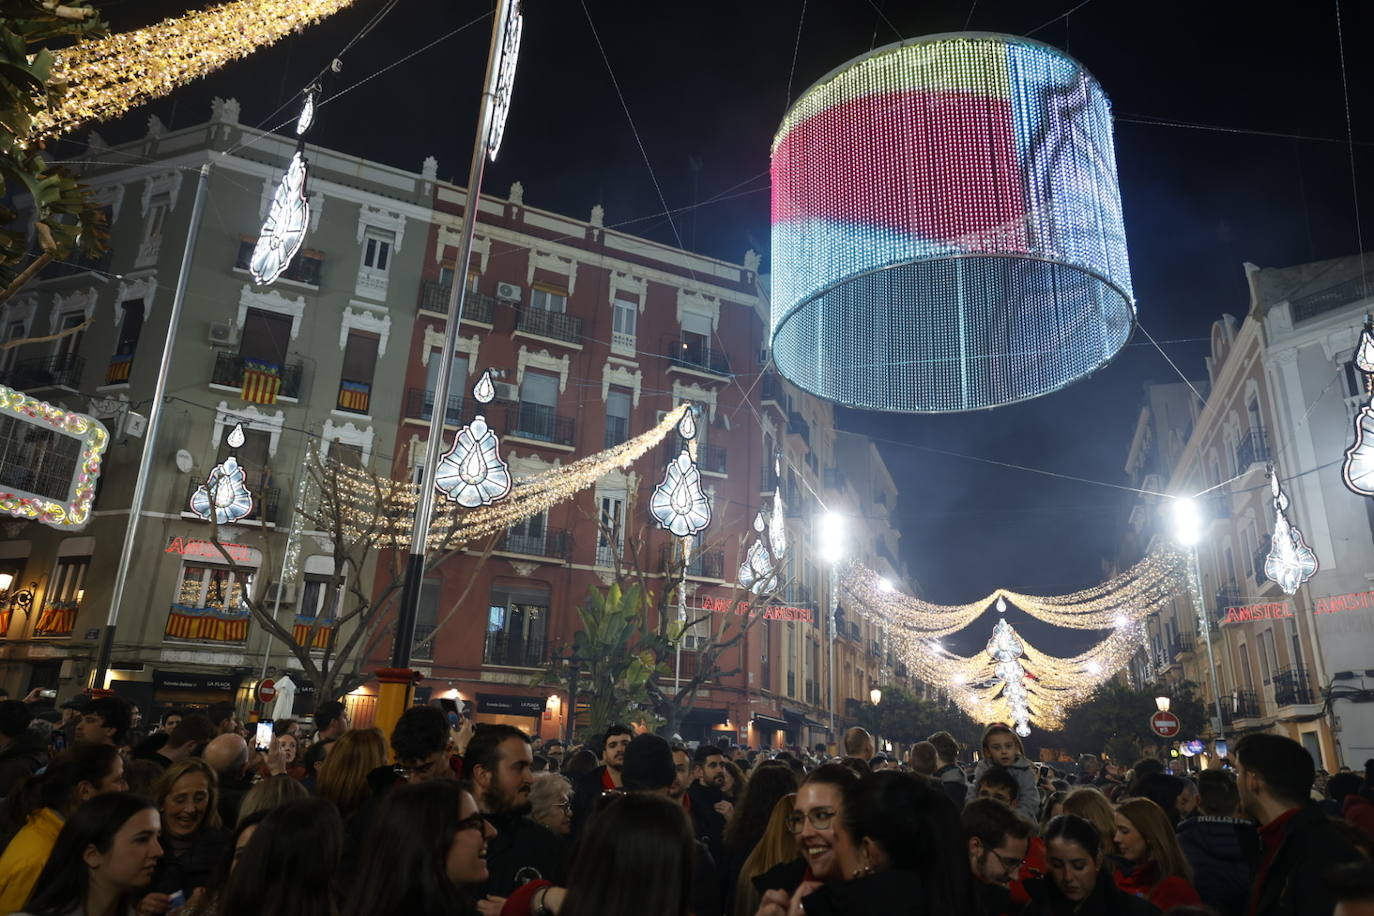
point(1028, 794)
point(1223, 852)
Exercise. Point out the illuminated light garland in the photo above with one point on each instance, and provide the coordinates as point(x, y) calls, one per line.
point(473, 473)
point(106, 77)
point(75, 511)
point(373, 503)
point(947, 227)
point(1290, 562)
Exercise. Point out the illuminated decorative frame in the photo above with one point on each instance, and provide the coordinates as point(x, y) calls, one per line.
point(947, 228)
point(75, 512)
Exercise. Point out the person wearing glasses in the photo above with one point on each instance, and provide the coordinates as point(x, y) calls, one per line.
point(426, 852)
point(998, 839)
point(551, 802)
point(813, 823)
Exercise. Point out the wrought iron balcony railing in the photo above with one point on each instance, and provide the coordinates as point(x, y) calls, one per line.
point(228, 371)
point(554, 325)
point(692, 352)
point(420, 406)
point(477, 307)
point(515, 650)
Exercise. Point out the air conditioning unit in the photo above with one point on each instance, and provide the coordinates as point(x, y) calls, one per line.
point(509, 292)
point(223, 333)
point(288, 594)
point(505, 391)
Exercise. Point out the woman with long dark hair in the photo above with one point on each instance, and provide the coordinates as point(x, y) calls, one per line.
point(1078, 882)
point(103, 858)
point(289, 865)
point(769, 783)
point(43, 803)
point(426, 846)
point(637, 836)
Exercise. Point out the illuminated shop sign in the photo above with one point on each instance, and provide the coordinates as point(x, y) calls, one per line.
point(1283, 610)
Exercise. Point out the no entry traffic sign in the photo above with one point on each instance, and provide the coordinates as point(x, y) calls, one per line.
point(267, 691)
point(1164, 724)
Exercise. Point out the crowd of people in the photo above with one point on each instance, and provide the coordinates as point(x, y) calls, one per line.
point(193, 819)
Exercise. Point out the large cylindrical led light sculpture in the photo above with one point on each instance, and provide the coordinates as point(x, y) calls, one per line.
point(947, 228)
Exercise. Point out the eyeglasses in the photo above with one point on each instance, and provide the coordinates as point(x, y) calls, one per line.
point(476, 822)
point(1008, 862)
point(566, 806)
point(820, 818)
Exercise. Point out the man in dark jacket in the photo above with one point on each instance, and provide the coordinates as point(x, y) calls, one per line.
point(710, 809)
point(951, 778)
point(1274, 776)
point(22, 752)
point(605, 778)
point(1222, 848)
point(499, 762)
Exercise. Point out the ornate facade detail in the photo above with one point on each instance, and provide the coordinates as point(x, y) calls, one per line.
point(697, 395)
point(553, 263)
point(517, 194)
point(387, 220)
point(698, 304)
point(225, 111)
point(348, 434)
point(272, 301)
point(365, 320)
point(81, 300)
point(523, 568)
point(450, 236)
point(112, 196)
point(137, 284)
point(251, 418)
point(628, 283)
point(168, 183)
point(621, 377)
point(434, 345)
point(542, 360)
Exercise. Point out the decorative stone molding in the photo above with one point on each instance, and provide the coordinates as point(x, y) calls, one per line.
point(598, 217)
point(378, 218)
point(628, 283)
point(168, 183)
point(517, 194)
point(429, 170)
point(697, 395)
point(272, 301)
point(621, 377)
point(155, 128)
point(21, 308)
point(365, 320)
point(82, 300)
point(251, 418)
point(752, 260)
point(269, 189)
point(542, 360)
point(607, 577)
point(112, 196)
point(434, 345)
point(698, 304)
point(137, 284)
point(348, 434)
point(525, 466)
point(553, 263)
point(225, 111)
point(523, 568)
point(451, 237)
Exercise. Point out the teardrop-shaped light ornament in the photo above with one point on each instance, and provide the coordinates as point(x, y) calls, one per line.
point(472, 473)
point(236, 438)
point(224, 496)
point(679, 504)
point(307, 115)
point(1001, 605)
point(687, 426)
point(1290, 562)
point(484, 391)
point(284, 230)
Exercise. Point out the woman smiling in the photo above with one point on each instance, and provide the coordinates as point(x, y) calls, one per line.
point(187, 797)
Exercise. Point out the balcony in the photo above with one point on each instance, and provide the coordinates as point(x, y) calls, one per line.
point(538, 422)
point(553, 543)
point(693, 352)
point(1227, 596)
point(617, 431)
point(707, 564)
point(1252, 449)
point(266, 500)
point(207, 624)
point(797, 426)
point(710, 458)
point(558, 326)
point(420, 406)
point(771, 390)
point(1245, 704)
point(304, 268)
point(424, 645)
point(354, 396)
point(768, 478)
point(515, 650)
point(1292, 688)
point(228, 371)
point(1181, 643)
point(791, 683)
point(1261, 554)
point(46, 372)
point(478, 308)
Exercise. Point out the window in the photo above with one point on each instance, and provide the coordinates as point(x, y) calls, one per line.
point(13, 331)
point(157, 217)
point(696, 339)
point(65, 355)
point(314, 591)
point(457, 386)
point(427, 617)
point(548, 299)
point(446, 278)
point(37, 460)
point(127, 343)
point(64, 595)
point(618, 402)
point(1269, 651)
point(359, 365)
point(624, 317)
point(215, 587)
point(253, 456)
point(1245, 667)
point(528, 535)
point(610, 536)
point(1252, 410)
point(1248, 546)
point(377, 250)
point(517, 627)
point(538, 406)
point(266, 336)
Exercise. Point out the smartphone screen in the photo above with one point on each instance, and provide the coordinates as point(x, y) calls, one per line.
point(263, 740)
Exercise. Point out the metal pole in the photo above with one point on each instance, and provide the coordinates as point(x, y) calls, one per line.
point(1205, 618)
point(834, 602)
point(102, 664)
point(681, 618)
point(424, 505)
point(574, 669)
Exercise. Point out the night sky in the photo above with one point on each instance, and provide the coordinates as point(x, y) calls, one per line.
point(707, 83)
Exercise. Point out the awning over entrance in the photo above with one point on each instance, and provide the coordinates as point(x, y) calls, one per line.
point(501, 704)
point(769, 722)
point(700, 716)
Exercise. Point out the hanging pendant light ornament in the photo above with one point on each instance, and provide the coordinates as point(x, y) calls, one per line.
point(284, 230)
point(505, 77)
point(236, 438)
point(473, 473)
point(307, 115)
point(1001, 605)
point(1358, 470)
point(756, 573)
point(1006, 650)
point(1290, 562)
point(678, 503)
point(224, 495)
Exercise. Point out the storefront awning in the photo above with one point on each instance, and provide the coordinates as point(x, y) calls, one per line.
point(769, 722)
point(700, 716)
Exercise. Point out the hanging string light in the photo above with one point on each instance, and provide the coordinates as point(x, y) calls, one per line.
point(473, 472)
point(1290, 562)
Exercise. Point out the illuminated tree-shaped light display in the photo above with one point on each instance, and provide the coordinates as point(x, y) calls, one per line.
point(1290, 561)
point(947, 228)
point(1006, 650)
point(473, 472)
point(224, 496)
point(756, 573)
point(678, 503)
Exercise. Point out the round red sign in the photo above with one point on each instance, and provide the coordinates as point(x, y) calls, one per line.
point(267, 691)
point(1164, 724)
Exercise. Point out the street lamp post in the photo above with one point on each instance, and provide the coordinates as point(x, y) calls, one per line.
point(831, 530)
point(1188, 532)
point(574, 671)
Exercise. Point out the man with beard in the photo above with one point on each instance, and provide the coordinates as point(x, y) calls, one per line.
point(998, 840)
point(498, 761)
point(709, 808)
point(605, 778)
point(682, 768)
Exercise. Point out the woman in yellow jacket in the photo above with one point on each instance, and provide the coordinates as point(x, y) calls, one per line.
point(43, 804)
